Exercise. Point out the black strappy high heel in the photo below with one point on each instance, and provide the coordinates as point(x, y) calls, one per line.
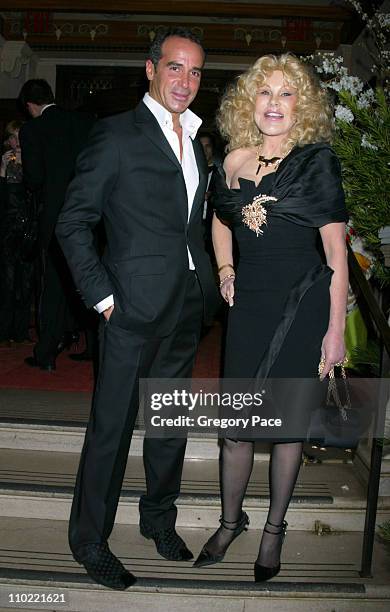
point(262, 572)
point(207, 558)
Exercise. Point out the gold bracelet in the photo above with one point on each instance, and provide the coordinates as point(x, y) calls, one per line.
point(225, 278)
point(225, 266)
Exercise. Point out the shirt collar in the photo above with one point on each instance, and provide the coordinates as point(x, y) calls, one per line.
point(46, 106)
point(188, 120)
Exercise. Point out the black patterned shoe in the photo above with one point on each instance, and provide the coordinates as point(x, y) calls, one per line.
point(104, 567)
point(168, 543)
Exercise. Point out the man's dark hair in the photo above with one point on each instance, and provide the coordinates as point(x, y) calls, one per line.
point(37, 91)
point(155, 50)
point(208, 135)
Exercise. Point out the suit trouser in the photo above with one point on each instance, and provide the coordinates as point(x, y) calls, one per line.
point(16, 287)
point(126, 357)
point(55, 316)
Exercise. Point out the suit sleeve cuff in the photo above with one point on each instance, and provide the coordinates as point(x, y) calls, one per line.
point(104, 304)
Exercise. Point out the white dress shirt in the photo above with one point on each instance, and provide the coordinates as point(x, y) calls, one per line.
point(190, 124)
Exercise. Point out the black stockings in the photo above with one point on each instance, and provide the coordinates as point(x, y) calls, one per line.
point(284, 467)
point(236, 462)
point(235, 467)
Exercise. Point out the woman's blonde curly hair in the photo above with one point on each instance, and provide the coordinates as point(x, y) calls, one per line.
point(314, 113)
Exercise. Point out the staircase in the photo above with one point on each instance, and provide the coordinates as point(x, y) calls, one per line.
point(40, 442)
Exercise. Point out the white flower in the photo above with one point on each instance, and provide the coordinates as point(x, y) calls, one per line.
point(365, 99)
point(352, 84)
point(385, 55)
point(344, 82)
point(359, 9)
point(330, 64)
point(367, 144)
point(344, 114)
point(335, 85)
point(383, 20)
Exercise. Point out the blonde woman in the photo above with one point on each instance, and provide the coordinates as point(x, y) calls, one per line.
point(287, 308)
point(16, 271)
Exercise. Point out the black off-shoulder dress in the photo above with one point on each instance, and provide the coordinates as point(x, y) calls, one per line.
point(282, 301)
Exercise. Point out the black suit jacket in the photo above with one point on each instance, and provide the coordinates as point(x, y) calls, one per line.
point(50, 145)
point(129, 175)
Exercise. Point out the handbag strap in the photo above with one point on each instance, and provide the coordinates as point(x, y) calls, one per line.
point(333, 391)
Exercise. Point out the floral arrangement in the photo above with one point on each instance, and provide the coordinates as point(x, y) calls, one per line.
point(363, 144)
point(362, 140)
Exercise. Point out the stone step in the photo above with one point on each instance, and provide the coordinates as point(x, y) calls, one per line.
point(320, 573)
point(42, 406)
point(55, 421)
point(69, 439)
point(37, 484)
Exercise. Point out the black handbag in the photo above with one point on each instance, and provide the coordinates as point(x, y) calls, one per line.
point(336, 423)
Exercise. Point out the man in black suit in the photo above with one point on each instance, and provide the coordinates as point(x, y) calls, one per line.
point(50, 144)
point(145, 173)
point(208, 143)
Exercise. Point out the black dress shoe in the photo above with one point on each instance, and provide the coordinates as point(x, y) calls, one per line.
point(168, 543)
point(84, 356)
point(34, 363)
point(67, 341)
point(104, 567)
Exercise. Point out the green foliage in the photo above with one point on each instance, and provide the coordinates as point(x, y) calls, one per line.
point(384, 531)
point(366, 361)
point(366, 171)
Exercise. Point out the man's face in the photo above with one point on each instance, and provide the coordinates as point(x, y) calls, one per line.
point(207, 148)
point(175, 81)
point(34, 109)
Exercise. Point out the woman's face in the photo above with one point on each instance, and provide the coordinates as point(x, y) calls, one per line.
point(13, 140)
point(275, 105)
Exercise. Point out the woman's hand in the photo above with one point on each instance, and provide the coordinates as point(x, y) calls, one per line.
point(18, 155)
point(332, 350)
point(6, 158)
point(227, 288)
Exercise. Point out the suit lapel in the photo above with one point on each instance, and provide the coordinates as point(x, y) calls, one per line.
point(150, 127)
point(147, 122)
point(201, 163)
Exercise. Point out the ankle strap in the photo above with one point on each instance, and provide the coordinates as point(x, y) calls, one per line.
point(225, 523)
point(282, 528)
point(284, 524)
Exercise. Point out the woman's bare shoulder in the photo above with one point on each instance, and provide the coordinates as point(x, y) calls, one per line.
point(235, 159)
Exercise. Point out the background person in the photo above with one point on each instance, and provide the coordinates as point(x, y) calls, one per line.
point(50, 143)
point(16, 271)
point(213, 163)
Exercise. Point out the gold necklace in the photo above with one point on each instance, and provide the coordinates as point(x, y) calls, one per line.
point(273, 161)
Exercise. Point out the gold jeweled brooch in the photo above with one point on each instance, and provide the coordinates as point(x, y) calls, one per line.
point(254, 215)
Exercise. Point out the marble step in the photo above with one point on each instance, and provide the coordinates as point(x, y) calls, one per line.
point(37, 484)
point(320, 573)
